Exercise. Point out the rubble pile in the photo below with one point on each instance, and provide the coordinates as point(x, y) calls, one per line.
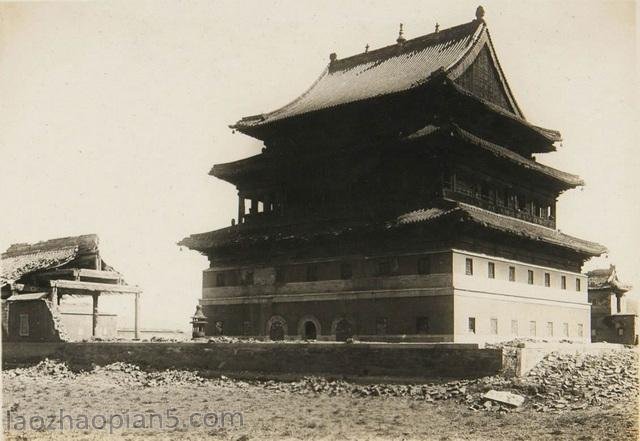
point(130, 375)
point(47, 368)
point(559, 382)
point(576, 381)
point(227, 339)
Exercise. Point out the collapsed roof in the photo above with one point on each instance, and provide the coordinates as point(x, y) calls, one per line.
point(22, 259)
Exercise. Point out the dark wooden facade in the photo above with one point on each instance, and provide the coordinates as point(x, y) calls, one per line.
point(369, 185)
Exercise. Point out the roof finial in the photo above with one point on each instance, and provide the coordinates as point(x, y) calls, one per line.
point(437, 27)
point(401, 39)
point(332, 57)
point(366, 48)
point(479, 13)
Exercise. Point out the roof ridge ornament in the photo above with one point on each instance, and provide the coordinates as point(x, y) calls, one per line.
point(437, 27)
point(401, 39)
point(480, 13)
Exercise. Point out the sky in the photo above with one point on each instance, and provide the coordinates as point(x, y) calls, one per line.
point(112, 114)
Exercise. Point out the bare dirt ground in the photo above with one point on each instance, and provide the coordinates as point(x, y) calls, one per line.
point(311, 409)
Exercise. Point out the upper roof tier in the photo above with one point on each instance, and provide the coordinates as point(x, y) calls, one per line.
point(459, 53)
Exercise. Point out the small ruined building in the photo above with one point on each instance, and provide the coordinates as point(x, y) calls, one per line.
point(40, 281)
point(610, 320)
point(398, 199)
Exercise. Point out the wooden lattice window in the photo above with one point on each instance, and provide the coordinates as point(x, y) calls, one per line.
point(24, 325)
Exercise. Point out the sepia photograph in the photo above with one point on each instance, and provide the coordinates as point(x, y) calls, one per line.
point(320, 220)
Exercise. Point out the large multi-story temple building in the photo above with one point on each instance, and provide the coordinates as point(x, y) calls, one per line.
point(399, 198)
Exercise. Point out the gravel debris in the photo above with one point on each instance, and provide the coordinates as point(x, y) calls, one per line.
point(559, 382)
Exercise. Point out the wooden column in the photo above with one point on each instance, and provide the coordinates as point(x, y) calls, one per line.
point(136, 317)
point(240, 208)
point(54, 297)
point(95, 314)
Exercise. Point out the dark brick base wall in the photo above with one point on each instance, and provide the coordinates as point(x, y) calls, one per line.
point(297, 359)
point(401, 315)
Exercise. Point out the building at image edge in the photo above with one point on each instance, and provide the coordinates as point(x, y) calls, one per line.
point(399, 199)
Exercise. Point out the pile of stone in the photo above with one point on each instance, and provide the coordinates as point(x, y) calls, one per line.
point(227, 339)
point(132, 376)
point(576, 381)
point(426, 392)
point(50, 369)
point(559, 382)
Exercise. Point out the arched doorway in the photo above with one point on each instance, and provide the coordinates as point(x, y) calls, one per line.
point(276, 328)
point(309, 328)
point(343, 329)
point(310, 331)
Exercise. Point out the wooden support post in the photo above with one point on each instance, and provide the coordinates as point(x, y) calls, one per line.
point(136, 317)
point(54, 297)
point(95, 314)
point(240, 208)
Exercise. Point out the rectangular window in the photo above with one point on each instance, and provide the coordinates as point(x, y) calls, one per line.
point(578, 284)
point(24, 325)
point(422, 325)
point(312, 273)
point(346, 271)
point(384, 268)
point(593, 333)
point(532, 328)
point(220, 279)
point(563, 282)
point(280, 274)
point(514, 327)
point(530, 277)
point(424, 265)
point(472, 324)
point(580, 330)
point(247, 278)
point(549, 329)
point(512, 274)
point(621, 331)
point(547, 279)
point(565, 329)
point(468, 267)
point(494, 326)
point(491, 270)
point(381, 325)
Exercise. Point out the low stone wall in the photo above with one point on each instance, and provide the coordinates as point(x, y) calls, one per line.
point(531, 353)
point(405, 360)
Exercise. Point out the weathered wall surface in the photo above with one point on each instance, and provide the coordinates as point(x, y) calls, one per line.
point(40, 323)
point(504, 309)
point(400, 314)
point(297, 359)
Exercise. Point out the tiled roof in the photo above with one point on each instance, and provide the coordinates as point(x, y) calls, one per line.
point(384, 71)
point(529, 230)
point(250, 234)
point(16, 266)
point(85, 243)
point(440, 211)
point(24, 258)
point(501, 152)
point(606, 279)
point(422, 215)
